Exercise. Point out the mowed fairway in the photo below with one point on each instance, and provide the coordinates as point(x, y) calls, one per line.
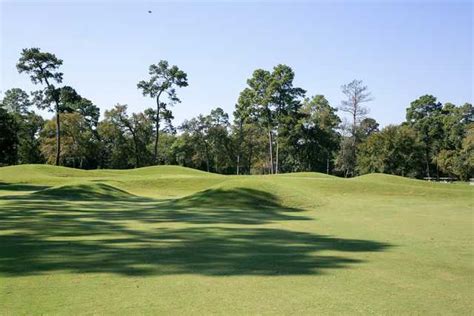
point(175, 240)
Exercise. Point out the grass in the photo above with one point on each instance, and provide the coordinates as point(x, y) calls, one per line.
point(175, 240)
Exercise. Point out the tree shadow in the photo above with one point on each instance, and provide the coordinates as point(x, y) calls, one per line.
point(84, 192)
point(210, 251)
point(20, 187)
point(104, 203)
point(130, 236)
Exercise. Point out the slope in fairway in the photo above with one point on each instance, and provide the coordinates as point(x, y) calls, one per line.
point(175, 240)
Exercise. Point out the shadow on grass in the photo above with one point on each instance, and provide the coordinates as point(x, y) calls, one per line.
point(20, 187)
point(84, 192)
point(129, 235)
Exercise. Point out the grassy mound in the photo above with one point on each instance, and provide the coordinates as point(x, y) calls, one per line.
point(33, 172)
point(237, 198)
point(315, 175)
point(86, 192)
point(156, 181)
point(166, 171)
point(388, 178)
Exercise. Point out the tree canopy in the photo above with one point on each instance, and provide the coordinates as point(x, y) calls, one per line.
point(275, 127)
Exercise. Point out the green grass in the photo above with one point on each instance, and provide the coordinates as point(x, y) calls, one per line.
point(173, 240)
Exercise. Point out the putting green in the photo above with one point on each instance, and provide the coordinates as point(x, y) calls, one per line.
point(175, 240)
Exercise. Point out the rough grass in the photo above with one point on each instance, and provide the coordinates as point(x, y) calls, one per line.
point(179, 241)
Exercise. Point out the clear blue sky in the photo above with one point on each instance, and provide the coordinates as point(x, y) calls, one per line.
point(400, 49)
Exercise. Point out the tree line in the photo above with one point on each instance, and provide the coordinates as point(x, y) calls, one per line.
point(276, 128)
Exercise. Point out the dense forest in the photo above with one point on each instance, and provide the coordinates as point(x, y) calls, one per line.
point(275, 128)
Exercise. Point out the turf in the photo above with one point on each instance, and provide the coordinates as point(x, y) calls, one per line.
point(172, 240)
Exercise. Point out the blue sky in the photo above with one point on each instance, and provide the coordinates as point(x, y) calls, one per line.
point(400, 49)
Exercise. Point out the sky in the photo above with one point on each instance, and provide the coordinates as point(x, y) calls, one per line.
point(400, 49)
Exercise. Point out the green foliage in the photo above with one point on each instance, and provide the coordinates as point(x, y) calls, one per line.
point(459, 163)
point(274, 129)
point(207, 140)
point(356, 95)
point(422, 108)
point(8, 138)
point(16, 101)
point(346, 160)
point(315, 135)
point(272, 102)
point(163, 79)
point(394, 150)
point(43, 68)
point(79, 148)
point(29, 130)
point(367, 127)
point(442, 129)
point(116, 148)
point(137, 129)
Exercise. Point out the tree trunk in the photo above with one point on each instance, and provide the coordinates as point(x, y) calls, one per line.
point(239, 151)
point(437, 170)
point(58, 123)
point(276, 156)
point(427, 165)
point(207, 160)
point(354, 140)
point(238, 163)
point(137, 155)
point(270, 149)
point(157, 127)
point(135, 143)
point(58, 135)
point(250, 159)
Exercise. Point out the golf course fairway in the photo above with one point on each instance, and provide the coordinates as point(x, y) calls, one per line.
point(173, 240)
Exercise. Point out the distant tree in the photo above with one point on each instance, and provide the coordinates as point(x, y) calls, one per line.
point(455, 123)
point(425, 116)
point(76, 140)
point(43, 69)
point(196, 131)
point(206, 139)
point(138, 126)
point(8, 138)
point(258, 96)
point(183, 150)
point(367, 127)
point(249, 142)
point(244, 118)
point(71, 102)
point(221, 147)
point(286, 103)
point(164, 79)
point(345, 159)
point(460, 162)
point(394, 150)
point(17, 102)
point(29, 130)
point(318, 138)
point(273, 100)
point(116, 150)
point(166, 147)
point(356, 95)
